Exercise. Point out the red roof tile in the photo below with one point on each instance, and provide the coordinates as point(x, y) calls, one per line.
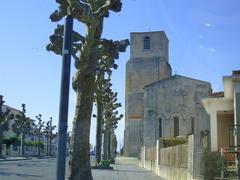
point(217, 94)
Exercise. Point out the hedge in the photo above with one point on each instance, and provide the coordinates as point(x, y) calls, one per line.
point(168, 142)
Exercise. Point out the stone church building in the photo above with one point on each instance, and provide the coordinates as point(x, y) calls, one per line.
point(159, 104)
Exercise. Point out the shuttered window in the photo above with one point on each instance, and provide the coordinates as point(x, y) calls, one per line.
point(146, 42)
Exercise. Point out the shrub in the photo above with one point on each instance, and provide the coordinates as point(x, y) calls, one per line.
point(112, 161)
point(29, 143)
point(6, 141)
point(32, 143)
point(39, 144)
point(11, 141)
point(105, 163)
point(212, 164)
point(168, 142)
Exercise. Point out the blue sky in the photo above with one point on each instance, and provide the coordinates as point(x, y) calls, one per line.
point(203, 34)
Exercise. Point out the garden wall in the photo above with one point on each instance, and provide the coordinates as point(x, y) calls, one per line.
point(172, 163)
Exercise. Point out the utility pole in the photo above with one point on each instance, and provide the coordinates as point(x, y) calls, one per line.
point(50, 139)
point(22, 146)
point(64, 97)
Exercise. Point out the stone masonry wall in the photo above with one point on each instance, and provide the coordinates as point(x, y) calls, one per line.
point(144, 67)
point(172, 163)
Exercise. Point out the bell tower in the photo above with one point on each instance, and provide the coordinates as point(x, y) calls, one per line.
point(148, 63)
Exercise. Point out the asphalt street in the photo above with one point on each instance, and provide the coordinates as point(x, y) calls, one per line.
point(28, 169)
point(45, 169)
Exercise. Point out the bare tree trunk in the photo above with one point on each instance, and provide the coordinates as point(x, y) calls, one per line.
point(22, 145)
point(38, 147)
point(106, 145)
point(99, 132)
point(47, 147)
point(79, 162)
point(109, 145)
point(50, 146)
point(18, 146)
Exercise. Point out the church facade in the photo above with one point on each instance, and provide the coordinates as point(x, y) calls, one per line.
point(159, 104)
point(173, 108)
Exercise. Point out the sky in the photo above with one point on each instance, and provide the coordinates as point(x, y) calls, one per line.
point(204, 43)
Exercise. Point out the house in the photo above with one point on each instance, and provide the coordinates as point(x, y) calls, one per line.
point(224, 111)
point(30, 139)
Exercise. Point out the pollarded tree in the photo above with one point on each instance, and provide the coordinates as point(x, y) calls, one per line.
point(104, 98)
point(38, 131)
point(99, 117)
point(5, 117)
point(50, 135)
point(22, 126)
point(111, 117)
point(105, 66)
point(114, 145)
point(91, 48)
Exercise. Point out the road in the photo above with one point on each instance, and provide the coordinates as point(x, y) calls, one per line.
point(28, 169)
point(44, 169)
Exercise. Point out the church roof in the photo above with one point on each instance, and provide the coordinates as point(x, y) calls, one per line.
point(175, 77)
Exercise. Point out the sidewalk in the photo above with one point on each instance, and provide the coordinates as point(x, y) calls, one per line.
point(125, 169)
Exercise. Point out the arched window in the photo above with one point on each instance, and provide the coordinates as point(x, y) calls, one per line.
point(192, 125)
point(160, 127)
point(146, 42)
point(176, 126)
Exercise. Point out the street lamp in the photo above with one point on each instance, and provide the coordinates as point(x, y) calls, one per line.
point(64, 98)
point(24, 111)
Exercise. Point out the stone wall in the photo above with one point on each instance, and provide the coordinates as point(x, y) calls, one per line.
point(158, 44)
point(11, 151)
point(172, 163)
point(175, 97)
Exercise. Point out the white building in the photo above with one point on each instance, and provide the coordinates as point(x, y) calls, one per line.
point(224, 111)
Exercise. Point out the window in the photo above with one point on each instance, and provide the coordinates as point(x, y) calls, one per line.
point(160, 127)
point(192, 125)
point(146, 42)
point(176, 126)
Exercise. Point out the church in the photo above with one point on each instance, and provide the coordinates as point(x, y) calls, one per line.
point(157, 103)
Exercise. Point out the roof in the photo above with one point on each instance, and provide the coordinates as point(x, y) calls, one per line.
point(11, 108)
point(174, 77)
point(217, 94)
point(150, 32)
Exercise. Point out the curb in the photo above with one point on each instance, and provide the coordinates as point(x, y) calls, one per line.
point(46, 157)
point(17, 159)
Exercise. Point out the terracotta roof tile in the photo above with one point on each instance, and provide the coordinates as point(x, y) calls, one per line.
point(217, 94)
